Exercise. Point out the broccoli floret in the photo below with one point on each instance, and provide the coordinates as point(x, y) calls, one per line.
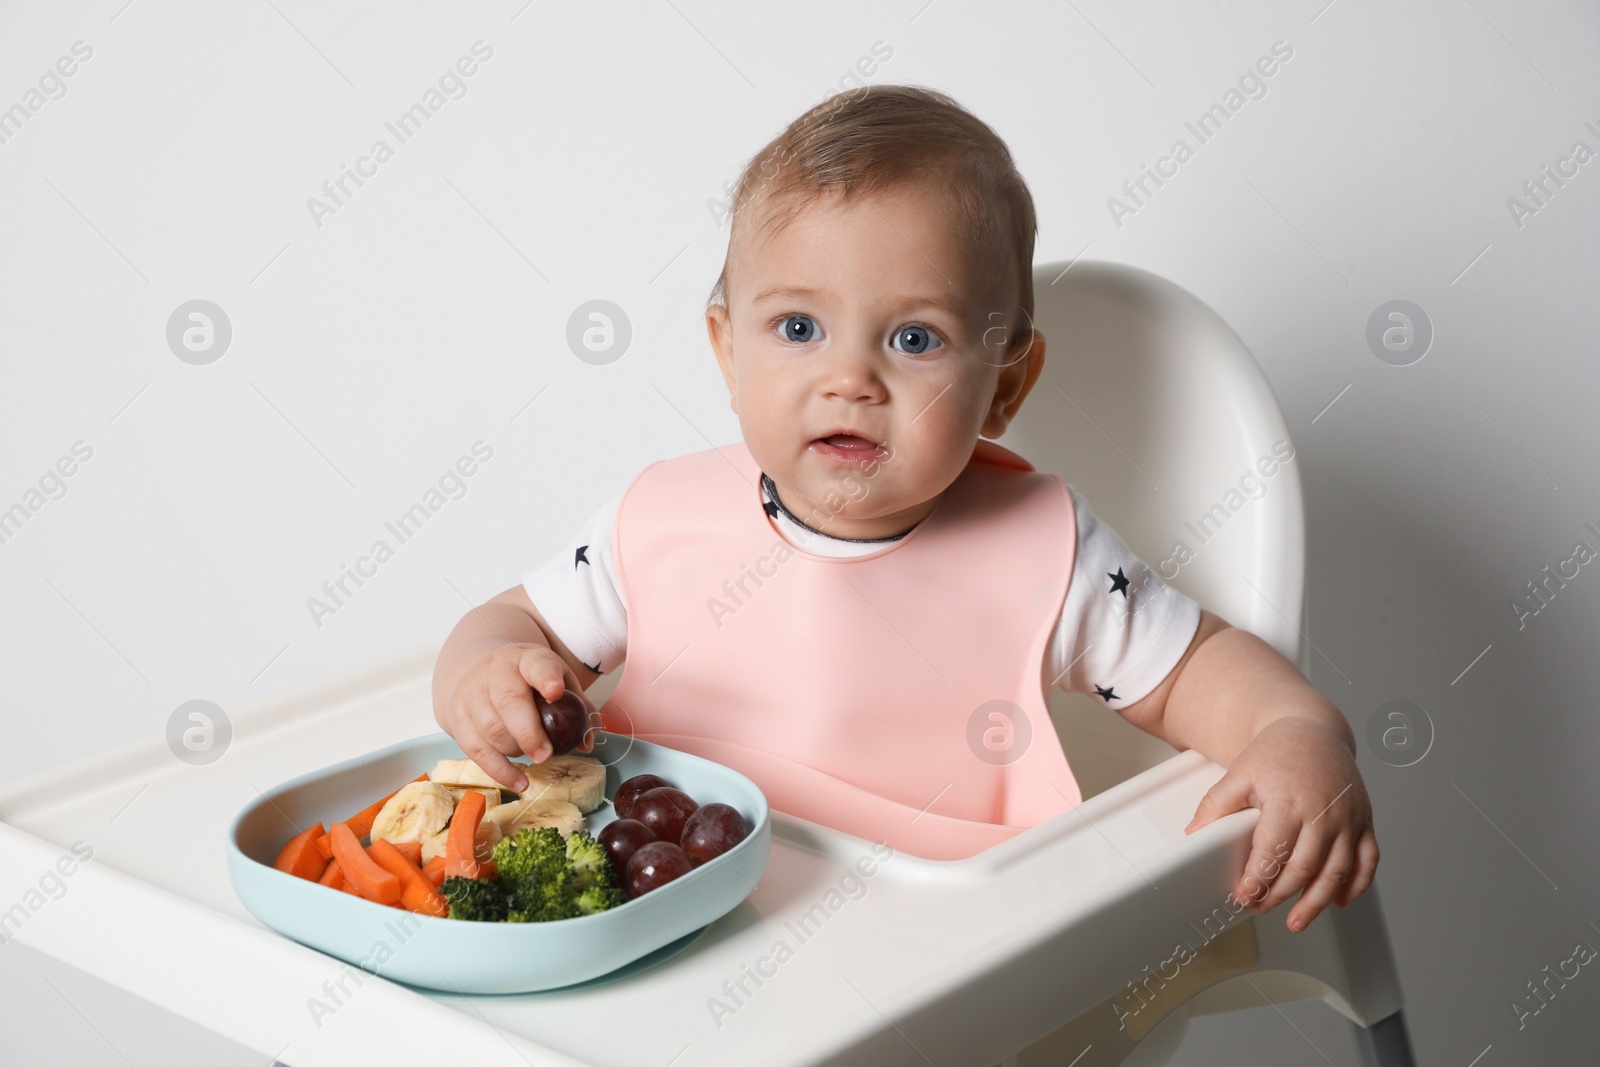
point(544, 877)
point(529, 856)
point(588, 863)
point(543, 901)
point(474, 899)
point(599, 898)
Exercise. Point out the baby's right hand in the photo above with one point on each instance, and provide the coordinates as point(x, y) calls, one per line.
point(489, 708)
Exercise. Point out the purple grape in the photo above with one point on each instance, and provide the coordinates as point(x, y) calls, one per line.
point(621, 838)
point(629, 791)
point(565, 719)
point(654, 865)
point(712, 830)
point(664, 810)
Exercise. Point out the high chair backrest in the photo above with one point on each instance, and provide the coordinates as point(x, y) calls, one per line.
point(1154, 409)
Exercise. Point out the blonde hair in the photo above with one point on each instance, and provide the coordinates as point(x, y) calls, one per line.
point(880, 136)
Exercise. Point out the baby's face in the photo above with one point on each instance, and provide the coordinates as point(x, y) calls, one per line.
point(868, 317)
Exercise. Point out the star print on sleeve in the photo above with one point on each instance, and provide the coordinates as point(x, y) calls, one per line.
point(1119, 583)
point(771, 508)
point(1122, 627)
point(580, 557)
point(593, 667)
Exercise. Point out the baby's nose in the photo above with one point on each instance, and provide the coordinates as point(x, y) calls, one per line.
point(852, 373)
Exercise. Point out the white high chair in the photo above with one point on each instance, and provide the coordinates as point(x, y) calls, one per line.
point(1153, 408)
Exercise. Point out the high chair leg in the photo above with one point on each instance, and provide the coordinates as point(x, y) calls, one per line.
point(1386, 1043)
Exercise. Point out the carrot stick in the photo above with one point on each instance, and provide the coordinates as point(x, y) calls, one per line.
point(416, 892)
point(361, 822)
point(411, 850)
point(325, 846)
point(333, 877)
point(460, 846)
point(344, 883)
point(300, 857)
point(370, 880)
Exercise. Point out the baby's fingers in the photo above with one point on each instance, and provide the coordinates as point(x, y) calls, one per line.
point(1275, 831)
point(493, 762)
point(542, 669)
point(1333, 876)
point(518, 719)
point(1310, 851)
point(1366, 868)
point(1231, 793)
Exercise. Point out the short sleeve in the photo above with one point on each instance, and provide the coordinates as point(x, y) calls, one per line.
point(1122, 628)
point(576, 591)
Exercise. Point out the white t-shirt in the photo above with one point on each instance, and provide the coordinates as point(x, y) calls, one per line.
point(1121, 629)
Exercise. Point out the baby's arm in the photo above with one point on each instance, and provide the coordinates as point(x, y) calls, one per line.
point(1289, 752)
point(484, 679)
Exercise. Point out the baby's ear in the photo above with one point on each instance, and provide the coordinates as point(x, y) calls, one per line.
point(1016, 380)
point(716, 324)
point(719, 328)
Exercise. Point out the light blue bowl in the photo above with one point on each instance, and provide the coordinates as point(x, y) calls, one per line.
point(479, 957)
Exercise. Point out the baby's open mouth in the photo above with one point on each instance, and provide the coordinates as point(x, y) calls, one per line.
point(847, 446)
point(848, 440)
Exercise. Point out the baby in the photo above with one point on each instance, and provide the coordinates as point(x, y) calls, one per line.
point(861, 604)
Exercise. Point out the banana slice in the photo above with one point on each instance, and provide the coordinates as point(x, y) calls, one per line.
point(465, 772)
point(579, 780)
point(416, 812)
point(536, 811)
point(482, 844)
point(491, 796)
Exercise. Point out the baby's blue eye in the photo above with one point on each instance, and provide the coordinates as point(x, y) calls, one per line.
point(918, 340)
point(798, 328)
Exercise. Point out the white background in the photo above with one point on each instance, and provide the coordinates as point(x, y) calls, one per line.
point(371, 352)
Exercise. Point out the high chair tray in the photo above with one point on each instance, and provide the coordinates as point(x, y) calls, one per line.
point(487, 957)
point(840, 954)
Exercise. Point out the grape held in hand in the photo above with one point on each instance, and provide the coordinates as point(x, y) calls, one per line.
point(629, 791)
point(653, 866)
point(712, 830)
point(564, 719)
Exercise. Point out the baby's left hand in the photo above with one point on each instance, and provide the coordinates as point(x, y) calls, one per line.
point(1302, 776)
